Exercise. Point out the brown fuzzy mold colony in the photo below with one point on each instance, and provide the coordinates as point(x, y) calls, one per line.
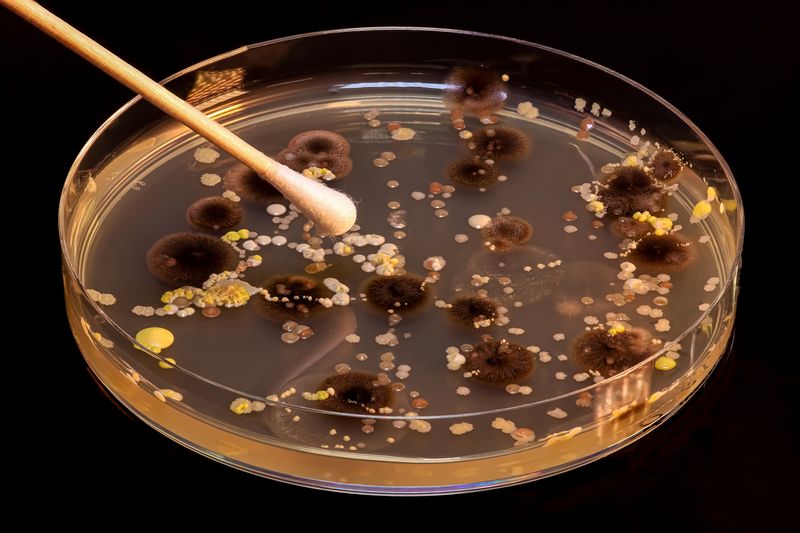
point(664, 253)
point(318, 148)
point(631, 189)
point(214, 213)
point(471, 173)
point(290, 298)
point(474, 311)
point(599, 351)
point(398, 293)
point(356, 392)
point(250, 186)
point(505, 232)
point(320, 141)
point(497, 143)
point(499, 362)
point(475, 89)
point(665, 165)
point(189, 258)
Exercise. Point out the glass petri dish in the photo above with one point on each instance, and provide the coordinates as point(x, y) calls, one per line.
point(482, 159)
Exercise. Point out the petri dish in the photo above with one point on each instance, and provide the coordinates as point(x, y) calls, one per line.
point(544, 267)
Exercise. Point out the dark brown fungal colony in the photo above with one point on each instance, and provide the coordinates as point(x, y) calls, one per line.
point(290, 298)
point(214, 213)
point(630, 189)
point(505, 232)
point(475, 89)
point(474, 311)
point(319, 141)
point(500, 144)
point(356, 392)
point(629, 228)
point(665, 165)
point(318, 148)
point(471, 173)
point(499, 361)
point(600, 351)
point(250, 186)
point(189, 258)
point(404, 292)
point(662, 252)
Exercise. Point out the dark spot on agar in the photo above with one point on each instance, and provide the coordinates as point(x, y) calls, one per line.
point(296, 298)
point(189, 258)
point(665, 165)
point(474, 89)
point(214, 213)
point(472, 310)
point(504, 232)
point(663, 252)
point(598, 351)
point(356, 392)
point(629, 228)
point(499, 362)
point(403, 292)
point(631, 189)
point(319, 141)
point(627, 179)
point(471, 173)
point(500, 143)
point(318, 148)
point(250, 186)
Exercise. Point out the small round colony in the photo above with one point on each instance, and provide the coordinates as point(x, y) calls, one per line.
point(401, 293)
point(250, 186)
point(474, 311)
point(318, 148)
point(320, 141)
point(500, 144)
point(665, 253)
point(471, 173)
point(499, 362)
point(630, 189)
point(214, 213)
point(355, 392)
point(289, 298)
point(612, 351)
point(189, 258)
point(475, 89)
point(505, 232)
point(665, 165)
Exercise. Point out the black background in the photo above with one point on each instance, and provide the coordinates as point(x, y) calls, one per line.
point(727, 461)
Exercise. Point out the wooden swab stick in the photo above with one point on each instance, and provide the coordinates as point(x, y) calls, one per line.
point(331, 211)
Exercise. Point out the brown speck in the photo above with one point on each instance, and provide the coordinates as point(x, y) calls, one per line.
point(419, 403)
point(569, 216)
point(210, 312)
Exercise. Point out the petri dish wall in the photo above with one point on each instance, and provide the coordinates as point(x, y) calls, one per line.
point(244, 387)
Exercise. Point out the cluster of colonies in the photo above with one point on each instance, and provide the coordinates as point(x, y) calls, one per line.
point(207, 271)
